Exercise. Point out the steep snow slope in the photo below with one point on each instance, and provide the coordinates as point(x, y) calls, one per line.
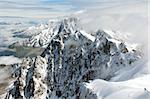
point(137, 88)
point(131, 82)
point(71, 58)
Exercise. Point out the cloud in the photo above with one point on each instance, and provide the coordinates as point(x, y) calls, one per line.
point(129, 17)
point(35, 8)
point(125, 16)
point(53, 8)
point(7, 60)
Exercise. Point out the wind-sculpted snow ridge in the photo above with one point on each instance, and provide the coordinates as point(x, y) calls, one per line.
point(71, 58)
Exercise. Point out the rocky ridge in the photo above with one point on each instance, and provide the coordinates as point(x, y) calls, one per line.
point(71, 58)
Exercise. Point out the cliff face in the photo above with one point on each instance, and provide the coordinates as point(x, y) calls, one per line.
point(71, 57)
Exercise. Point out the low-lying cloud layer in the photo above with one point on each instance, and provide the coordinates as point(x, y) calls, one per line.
point(7, 60)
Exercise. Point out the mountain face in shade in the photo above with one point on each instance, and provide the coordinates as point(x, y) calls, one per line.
point(71, 58)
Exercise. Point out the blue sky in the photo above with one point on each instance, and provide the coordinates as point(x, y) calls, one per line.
point(52, 8)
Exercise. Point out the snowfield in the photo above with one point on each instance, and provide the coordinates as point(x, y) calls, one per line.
point(137, 88)
point(129, 83)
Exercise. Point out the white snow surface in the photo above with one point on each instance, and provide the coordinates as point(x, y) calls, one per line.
point(92, 38)
point(131, 89)
point(129, 83)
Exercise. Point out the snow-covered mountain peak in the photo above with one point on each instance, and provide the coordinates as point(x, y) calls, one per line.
point(71, 57)
point(70, 25)
point(65, 27)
